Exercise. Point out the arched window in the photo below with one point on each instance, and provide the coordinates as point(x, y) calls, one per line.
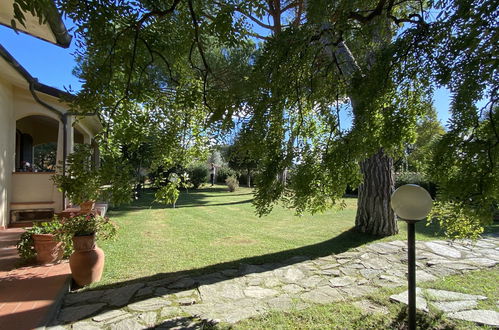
point(36, 144)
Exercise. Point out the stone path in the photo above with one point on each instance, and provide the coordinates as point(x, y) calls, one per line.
point(235, 294)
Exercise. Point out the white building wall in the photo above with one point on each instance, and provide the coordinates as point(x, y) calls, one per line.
point(25, 106)
point(7, 145)
point(17, 103)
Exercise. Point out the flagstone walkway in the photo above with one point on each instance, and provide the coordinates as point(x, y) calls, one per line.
point(235, 294)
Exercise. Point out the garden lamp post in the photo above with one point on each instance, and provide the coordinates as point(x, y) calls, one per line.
point(411, 203)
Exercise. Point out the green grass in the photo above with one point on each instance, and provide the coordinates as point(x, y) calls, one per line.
point(483, 283)
point(346, 315)
point(214, 229)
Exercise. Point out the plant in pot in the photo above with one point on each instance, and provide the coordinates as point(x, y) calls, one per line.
point(87, 260)
point(82, 179)
point(44, 242)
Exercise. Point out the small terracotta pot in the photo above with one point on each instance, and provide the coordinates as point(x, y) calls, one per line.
point(48, 249)
point(87, 261)
point(87, 206)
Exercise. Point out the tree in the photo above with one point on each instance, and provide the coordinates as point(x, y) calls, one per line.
point(216, 158)
point(193, 65)
point(242, 155)
point(428, 132)
point(465, 162)
point(306, 71)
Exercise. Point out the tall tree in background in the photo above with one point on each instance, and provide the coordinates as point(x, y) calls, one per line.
point(419, 153)
point(243, 154)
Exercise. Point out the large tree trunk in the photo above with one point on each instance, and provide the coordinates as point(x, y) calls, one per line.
point(374, 214)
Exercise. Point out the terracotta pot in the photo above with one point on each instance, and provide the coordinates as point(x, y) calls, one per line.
point(87, 206)
point(48, 249)
point(87, 261)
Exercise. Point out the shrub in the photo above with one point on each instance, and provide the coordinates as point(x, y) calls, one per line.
point(198, 174)
point(225, 172)
point(169, 194)
point(82, 180)
point(457, 221)
point(232, 183)
point(402, 178)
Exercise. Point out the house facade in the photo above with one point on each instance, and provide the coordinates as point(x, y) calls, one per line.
point(37, 130)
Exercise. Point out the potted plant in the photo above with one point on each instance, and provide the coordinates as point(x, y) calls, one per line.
point(82, 179)
point(87, 260)
point(42, 241)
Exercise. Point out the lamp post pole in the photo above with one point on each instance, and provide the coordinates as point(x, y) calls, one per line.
point(411, 273)
point(411, 203)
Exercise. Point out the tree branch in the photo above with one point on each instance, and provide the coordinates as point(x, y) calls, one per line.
point(256, 35)
point(291, 5)
point(196, 36)
point(409, 19)
point(375, 12)
point(257, 21)
point(157, 13)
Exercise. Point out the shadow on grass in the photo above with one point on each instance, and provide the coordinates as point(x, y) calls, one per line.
point(193, 278)
point(345, 241)
point(192, 198)
point(180, 206)
point(203, 198)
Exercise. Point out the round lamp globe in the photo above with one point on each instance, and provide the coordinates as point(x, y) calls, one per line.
point(411, 202)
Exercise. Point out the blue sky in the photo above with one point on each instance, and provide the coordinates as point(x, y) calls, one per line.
point(53, 65)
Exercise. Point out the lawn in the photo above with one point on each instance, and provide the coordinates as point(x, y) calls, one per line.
point(214, 229)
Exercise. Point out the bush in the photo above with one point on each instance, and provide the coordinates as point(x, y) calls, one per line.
point(168, 194)
point(225, 172)
point(198, 174)
point(232, 183)
point(81, 180)
point(420, 179)
point(457, 221)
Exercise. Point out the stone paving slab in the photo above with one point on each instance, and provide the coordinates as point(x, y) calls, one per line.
point(484, 317)
point(232, 295)
point(454, 305)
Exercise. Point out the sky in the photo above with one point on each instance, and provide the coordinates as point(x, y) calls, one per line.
point(53, 66)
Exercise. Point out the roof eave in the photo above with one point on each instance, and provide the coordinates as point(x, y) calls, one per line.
point(56, 25)
point(42, 88)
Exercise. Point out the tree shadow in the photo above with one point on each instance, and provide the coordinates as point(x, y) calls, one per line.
point(192, 198)
point(185, 322)
point(179, 206)
point(194, 278)
point(345, 241)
